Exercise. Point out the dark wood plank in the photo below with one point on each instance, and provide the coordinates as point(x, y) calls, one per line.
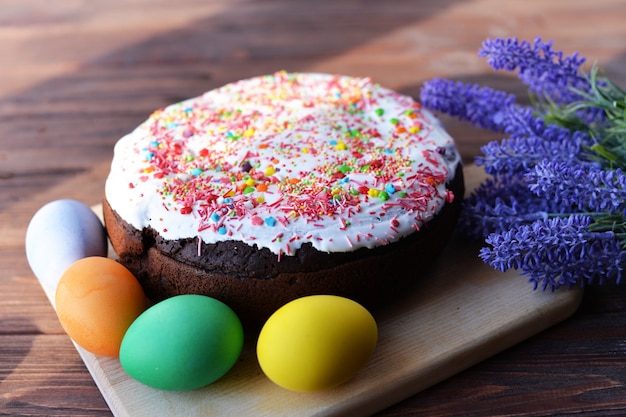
point(43, 376)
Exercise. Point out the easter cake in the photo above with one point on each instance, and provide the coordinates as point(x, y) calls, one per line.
point(280, 186)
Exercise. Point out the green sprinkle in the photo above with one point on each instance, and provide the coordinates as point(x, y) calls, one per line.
point(383, 195)
point(394, 121)
point(344, 169)
point(380, 112)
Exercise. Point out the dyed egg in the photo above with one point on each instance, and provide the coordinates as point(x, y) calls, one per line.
point(316, 342)
point(182, 343)
point(59, 234)
point(96, 301)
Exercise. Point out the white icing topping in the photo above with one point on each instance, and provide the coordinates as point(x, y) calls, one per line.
point(280, 160)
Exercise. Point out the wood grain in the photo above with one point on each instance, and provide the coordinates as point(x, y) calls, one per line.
point(77, 75)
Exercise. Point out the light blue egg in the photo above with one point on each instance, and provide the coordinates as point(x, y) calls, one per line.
point(59, 234)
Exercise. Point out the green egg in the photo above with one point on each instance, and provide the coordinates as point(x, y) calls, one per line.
point(182, 343)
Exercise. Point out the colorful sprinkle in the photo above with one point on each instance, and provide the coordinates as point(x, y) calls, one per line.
point(248, 168)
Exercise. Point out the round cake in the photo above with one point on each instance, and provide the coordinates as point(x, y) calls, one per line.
point(280, 186)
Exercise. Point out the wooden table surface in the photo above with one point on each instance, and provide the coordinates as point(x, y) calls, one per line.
point(75, 75)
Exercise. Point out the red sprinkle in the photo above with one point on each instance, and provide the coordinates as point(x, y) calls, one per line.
point(257, 221)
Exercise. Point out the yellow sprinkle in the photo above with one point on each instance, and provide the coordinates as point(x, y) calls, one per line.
point(341, 146)
point(250, 182)
point(414, 129)
point(335, 191)
point(249, 132)
point(270, 170)
point(373, 192)
point(260, 199)
point(305, 150)
point(293, 214)
point(230, 193)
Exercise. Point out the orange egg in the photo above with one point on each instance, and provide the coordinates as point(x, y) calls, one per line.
point(97, 299)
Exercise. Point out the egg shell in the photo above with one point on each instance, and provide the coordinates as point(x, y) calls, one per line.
point(316, 343)
point(60, 233)
point(96, 301)
point(182, 343)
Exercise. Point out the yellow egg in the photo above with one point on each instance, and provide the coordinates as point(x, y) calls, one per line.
point(96, 300)
point(317, 342)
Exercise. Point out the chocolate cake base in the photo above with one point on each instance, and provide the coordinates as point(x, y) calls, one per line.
point(255, 282)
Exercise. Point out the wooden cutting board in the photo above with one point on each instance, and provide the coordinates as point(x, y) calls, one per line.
point(461, 313)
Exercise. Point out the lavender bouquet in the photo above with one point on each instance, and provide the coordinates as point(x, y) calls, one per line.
point(554, 204)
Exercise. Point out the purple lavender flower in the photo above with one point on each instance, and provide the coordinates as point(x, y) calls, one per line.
point(546, 72)
point(518, 154)
point(549, 209)
point(530, 140)
point(557, 251)
point(482, 106)
point(521, 121)
point(499, 204)
point(585, 187)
